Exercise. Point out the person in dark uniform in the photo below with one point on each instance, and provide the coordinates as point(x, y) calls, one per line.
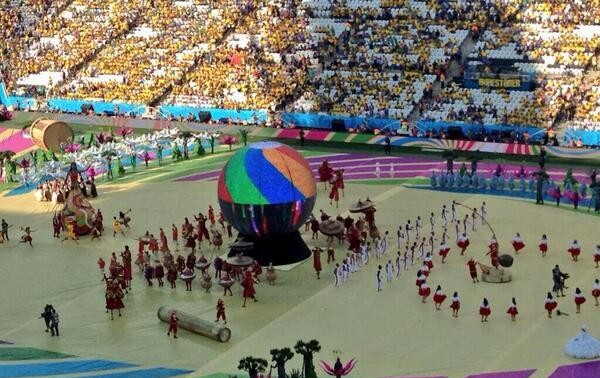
point(47, 316)
point(302, 139)
point(54, 323)
point(387, 145)
point(558, 278)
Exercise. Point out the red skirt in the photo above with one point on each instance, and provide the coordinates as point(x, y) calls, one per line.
point(190, 243)
point(596, 258)
point(114, 304)
point(596, 293)
point(455, 305)
point(424, 292)
point(334, 195)
point(579, 300)
point(543, 247)
point(550, 306)
point(419, 282)
point(518, 245)
point(439, 298)
point(574, 251)
point(463, 244)
point(425, 273)
point(429, 264)
point(444, 252)
point(512, 311)
point(249, 291)
point(127, 272)
point(485, 311)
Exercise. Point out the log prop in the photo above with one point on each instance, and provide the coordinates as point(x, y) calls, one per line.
point(194, 324)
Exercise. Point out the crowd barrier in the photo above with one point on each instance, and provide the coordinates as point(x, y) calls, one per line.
point(74, 106)
point(588, 138)
point(535, 133)
point(338, 123)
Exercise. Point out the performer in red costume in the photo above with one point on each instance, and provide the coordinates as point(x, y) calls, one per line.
point(114, 298)
point(485, 310)
point(512, 310)
point(444, 249)
point(248, 284)
point(334, 194)
point(211, 215)
point(202, 230)
point(354, 240)
point(221, 311)
point(317, 261)
point(543, 246)
point(173, 325)
point(574, 250)
point(99, 219)
point(439, 297)
point(462, 243)
point(172, 276)
point(424, 291)
point(473, 270)
point(517, 243)
point(596, 290)
point(325, 173)
point(493, 254)
point(579, 299)
point(455, 305)
point(164, 246)
point(550, 304)
point(597, 256)
point(127, 274)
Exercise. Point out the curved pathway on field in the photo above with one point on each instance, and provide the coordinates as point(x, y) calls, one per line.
point(359, 166)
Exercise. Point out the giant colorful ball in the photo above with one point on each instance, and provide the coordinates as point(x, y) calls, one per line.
point(266, 188)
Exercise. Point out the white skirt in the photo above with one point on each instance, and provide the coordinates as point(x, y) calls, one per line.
point(583, 346)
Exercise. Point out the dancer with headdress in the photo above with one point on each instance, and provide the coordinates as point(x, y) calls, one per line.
point(550, 304)
point(543, 245)
point(512, 310)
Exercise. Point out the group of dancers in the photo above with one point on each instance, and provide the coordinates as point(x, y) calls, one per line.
point(157, 263)
point(56, 190)
point(419, 243)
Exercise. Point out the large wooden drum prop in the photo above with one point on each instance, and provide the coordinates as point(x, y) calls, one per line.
point(49, 134)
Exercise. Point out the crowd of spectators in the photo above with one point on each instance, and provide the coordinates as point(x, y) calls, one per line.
point(377, 58)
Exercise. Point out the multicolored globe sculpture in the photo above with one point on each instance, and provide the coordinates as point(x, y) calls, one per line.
point(267, 191)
